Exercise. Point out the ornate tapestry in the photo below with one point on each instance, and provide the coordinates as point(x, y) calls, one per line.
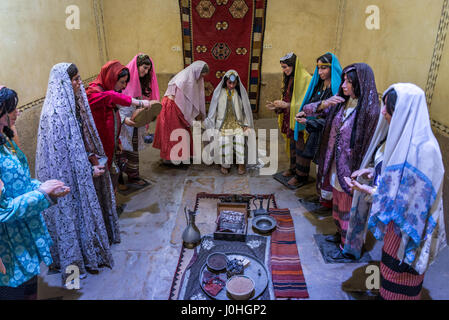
point(227, 34)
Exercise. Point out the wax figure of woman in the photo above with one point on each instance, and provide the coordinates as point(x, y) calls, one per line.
point(402, 173)
point(82, 226)
point(295, 82)
point(105, 97)
point(183, 102)
point(324, 84)
point(24, 238)
point(142, 85)
point(351, 119)
point(230, 113)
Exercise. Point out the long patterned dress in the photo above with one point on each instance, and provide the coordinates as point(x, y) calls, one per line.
point(24, 238)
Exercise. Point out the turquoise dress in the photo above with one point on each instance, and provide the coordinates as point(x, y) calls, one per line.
point(24, 238)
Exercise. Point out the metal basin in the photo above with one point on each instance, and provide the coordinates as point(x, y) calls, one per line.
point(264, 223)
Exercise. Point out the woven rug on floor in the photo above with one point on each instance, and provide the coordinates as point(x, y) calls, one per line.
point(254, 246)
point(226, 35)
point(186, 258)
point(287, 275)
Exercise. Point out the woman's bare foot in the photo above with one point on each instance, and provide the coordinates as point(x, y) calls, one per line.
point(138, 181)
point(288, 173)
point(123, 187)
point(293, 181)
point(224, 170)
point(242, 169)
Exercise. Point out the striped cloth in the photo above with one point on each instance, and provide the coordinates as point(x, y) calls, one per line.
point(286, 271)
point(341, 211)
point(132, 165)
point(398, 282)
point(302, 164)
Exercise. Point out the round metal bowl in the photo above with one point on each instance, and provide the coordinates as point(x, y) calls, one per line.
point(217, 262)
point(243, 293)
point(264, 223)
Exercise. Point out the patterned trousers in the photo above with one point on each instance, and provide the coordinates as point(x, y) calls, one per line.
point(341, 211)
point(132, 157)
point(231, 143)
point(398, 281)
point(297, 162)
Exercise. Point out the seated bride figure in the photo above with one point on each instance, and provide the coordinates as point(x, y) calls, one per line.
point(230, 115)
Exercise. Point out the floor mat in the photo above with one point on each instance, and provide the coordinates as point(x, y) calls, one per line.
point(328, 249)
point(284, 180)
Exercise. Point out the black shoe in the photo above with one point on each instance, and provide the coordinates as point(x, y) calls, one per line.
point(120, 209)
point(148, 139)
point(334, 238)
point(339, 255)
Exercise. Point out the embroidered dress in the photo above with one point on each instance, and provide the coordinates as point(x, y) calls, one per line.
point(132, 138)
point(187, 88)
point(231, 136)
point(316, 92)
point(229, 113)
point(24, 238)
point(84, 222)
point(409, 194)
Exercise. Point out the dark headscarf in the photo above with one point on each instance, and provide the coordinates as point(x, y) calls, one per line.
point(8, 103)
point(367, 114)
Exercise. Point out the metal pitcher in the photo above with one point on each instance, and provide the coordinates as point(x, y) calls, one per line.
point(261, 210)
point(191, 236)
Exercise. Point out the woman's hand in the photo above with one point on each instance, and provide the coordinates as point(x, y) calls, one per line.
point(354, 185)
point(301, 117)
point(119, 148)
point(270, 105)
point(54, 188)
point(129, 122)
point(1, 186)
point(332, 101)
point(98, 171)
point(146, 104)
point(367, 173)
point(281, 104)
point(2, 267)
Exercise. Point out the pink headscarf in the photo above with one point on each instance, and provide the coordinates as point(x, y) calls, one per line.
point(133, 88)
point(189, 96)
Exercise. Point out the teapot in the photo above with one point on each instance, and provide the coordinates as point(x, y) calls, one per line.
point(261, 210)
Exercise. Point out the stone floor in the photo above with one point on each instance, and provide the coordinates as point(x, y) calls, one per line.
point(153, 220)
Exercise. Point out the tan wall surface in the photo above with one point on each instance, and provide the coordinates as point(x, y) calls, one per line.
point(34, 37)
point(152, 27)
point(401, 50)
point(302, 26)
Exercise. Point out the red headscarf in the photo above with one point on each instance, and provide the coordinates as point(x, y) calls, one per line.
point(107, 78)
